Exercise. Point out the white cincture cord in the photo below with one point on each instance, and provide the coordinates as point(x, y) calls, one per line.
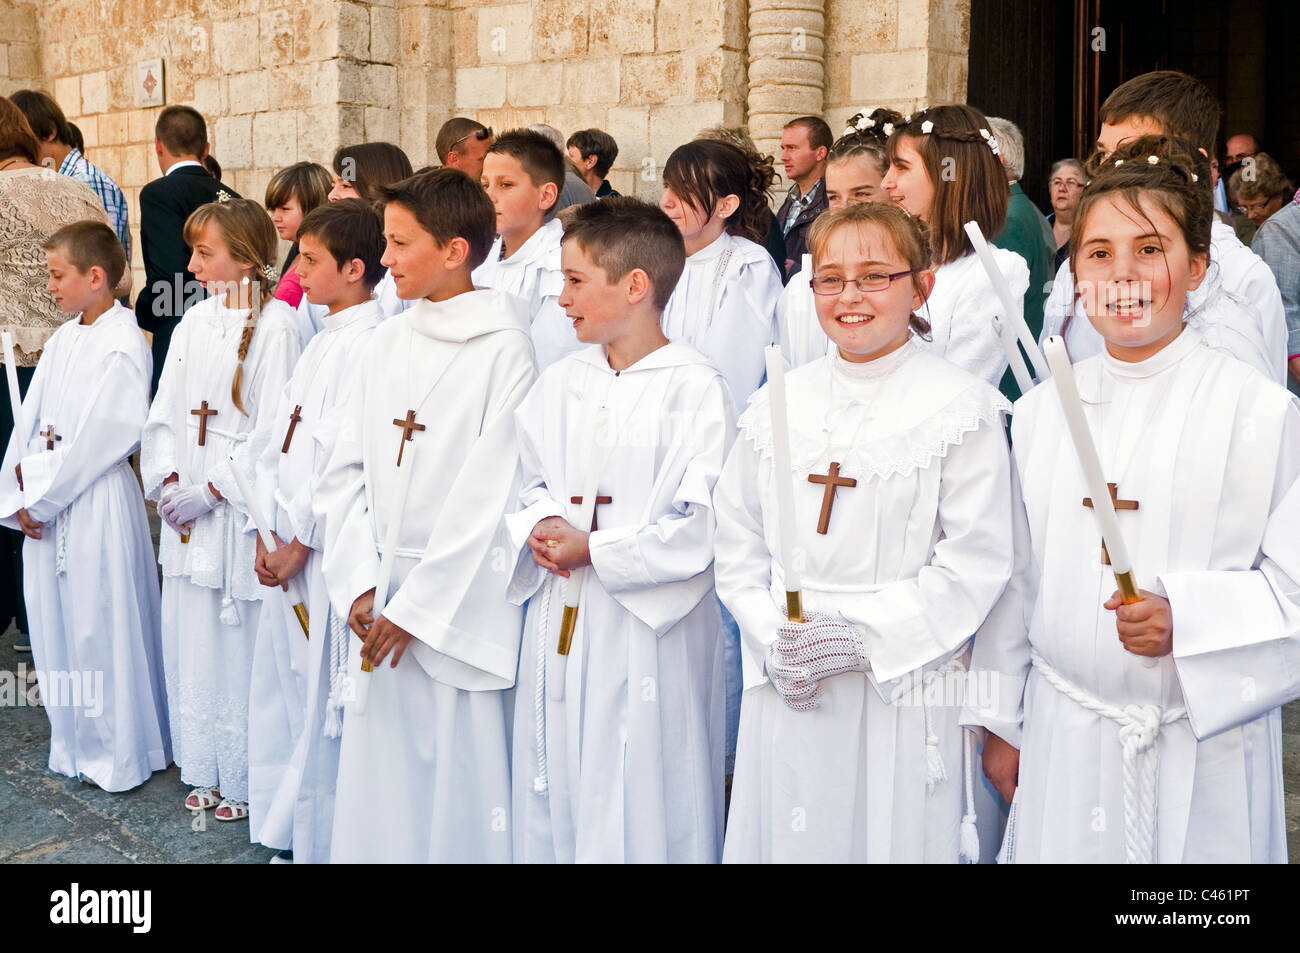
point(541, 783)
point(1139, 731)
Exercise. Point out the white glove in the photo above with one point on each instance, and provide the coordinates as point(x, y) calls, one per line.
point(820, 646)
point(184, 506)
point(168, 491)
point(792, 682)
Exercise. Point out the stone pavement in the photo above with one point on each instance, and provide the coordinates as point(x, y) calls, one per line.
point(47, 818)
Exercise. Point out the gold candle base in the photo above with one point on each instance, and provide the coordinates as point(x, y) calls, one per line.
point(567, 625)
point(794, 606)
point(366, 666)
point(300, 611)
point(185, 537)
point(1128, 588)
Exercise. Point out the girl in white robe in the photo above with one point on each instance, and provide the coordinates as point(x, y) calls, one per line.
point(225, 368)
point(89, 579)
point(850, 749)
point(855, 169)
point(944, 168)
point(1148, 732)
point(724, 304)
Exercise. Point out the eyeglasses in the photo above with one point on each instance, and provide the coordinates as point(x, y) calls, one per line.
point(834, 284)
point(482, 135)
point(1071, 183)
point(1258, 207)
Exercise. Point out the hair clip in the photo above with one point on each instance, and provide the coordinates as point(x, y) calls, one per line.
point(1118, 163)
point(223, 196)
point(268, 272)
point(927, 127)
point(1193, 178)
point(865, 122)
point(887, 129)
point(1153, 160)
point(991, 141)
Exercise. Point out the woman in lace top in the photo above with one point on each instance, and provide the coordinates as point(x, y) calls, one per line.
point(35, 202)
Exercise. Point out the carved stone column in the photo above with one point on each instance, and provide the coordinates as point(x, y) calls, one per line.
point(787, 70)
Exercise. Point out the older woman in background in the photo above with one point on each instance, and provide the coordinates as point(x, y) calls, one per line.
point(1065, 187)
point(1260, 187)
point(35, 202)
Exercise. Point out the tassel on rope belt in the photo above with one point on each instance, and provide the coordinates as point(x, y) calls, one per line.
point(1139, 731)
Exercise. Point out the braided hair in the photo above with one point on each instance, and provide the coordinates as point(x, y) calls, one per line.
point(961, 160)
point(867, 135)
point(249, 235)
point(704, 170)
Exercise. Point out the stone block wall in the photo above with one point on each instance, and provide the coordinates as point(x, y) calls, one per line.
point(286, 80)
point(278, 81)
point(652, 74)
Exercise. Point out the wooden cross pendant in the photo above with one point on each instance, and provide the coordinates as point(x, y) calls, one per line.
point(203, 413)
point(409, 426)
point(1119, 505)
point(293, 422)
point(50, 436)
point(599, 501)
point(832, 479)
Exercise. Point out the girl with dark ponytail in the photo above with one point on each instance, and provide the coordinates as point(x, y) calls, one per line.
point(227, 363)
point(724, 303)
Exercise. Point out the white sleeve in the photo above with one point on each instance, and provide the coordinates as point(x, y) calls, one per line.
point(105, 436)
point(974, 343)
point(1237, 634)
point(1059, 303)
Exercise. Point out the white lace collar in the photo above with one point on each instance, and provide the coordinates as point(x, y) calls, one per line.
point(891, 423)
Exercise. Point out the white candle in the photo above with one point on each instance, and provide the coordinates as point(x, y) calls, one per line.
point(1094, 479)
point(1014, 314)
point(15, 396)
point(782, 470)
point(264, 528)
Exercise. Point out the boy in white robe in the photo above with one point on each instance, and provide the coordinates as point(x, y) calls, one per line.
point(67, 483)
point(1148, 732)
point(523, 172)
point(618, 751)
point(295, 703)
point(226, 367)
point(424, 771)
point(849, 747)
point(1253, 320)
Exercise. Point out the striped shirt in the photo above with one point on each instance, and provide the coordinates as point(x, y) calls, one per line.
point(83, 170)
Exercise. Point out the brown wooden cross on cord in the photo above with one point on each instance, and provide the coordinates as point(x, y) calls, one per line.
point(50, 436)
point(1119, 505)
point(832, 479)
point(599, 500)
point(203, 413)
point(409, 426)
point(293, 423)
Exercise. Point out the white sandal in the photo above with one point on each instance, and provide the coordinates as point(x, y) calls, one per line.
point(238, 810)
point(204, 798)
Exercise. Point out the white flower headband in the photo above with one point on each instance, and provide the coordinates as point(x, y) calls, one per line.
point(927, 128)
point(1155, 160)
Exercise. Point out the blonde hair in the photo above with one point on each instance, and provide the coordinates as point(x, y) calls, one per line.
point(908, 234)
point(249, 235)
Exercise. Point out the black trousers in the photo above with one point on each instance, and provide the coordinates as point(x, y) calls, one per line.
point(11, 541)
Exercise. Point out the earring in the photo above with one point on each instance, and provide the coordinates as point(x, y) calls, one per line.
point(244, 280)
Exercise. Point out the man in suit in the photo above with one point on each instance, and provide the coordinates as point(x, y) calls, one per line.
point(181, 143)
point(805, 143)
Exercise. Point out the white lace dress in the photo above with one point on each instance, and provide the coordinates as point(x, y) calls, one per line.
point(915, 555)
point(210, 594)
